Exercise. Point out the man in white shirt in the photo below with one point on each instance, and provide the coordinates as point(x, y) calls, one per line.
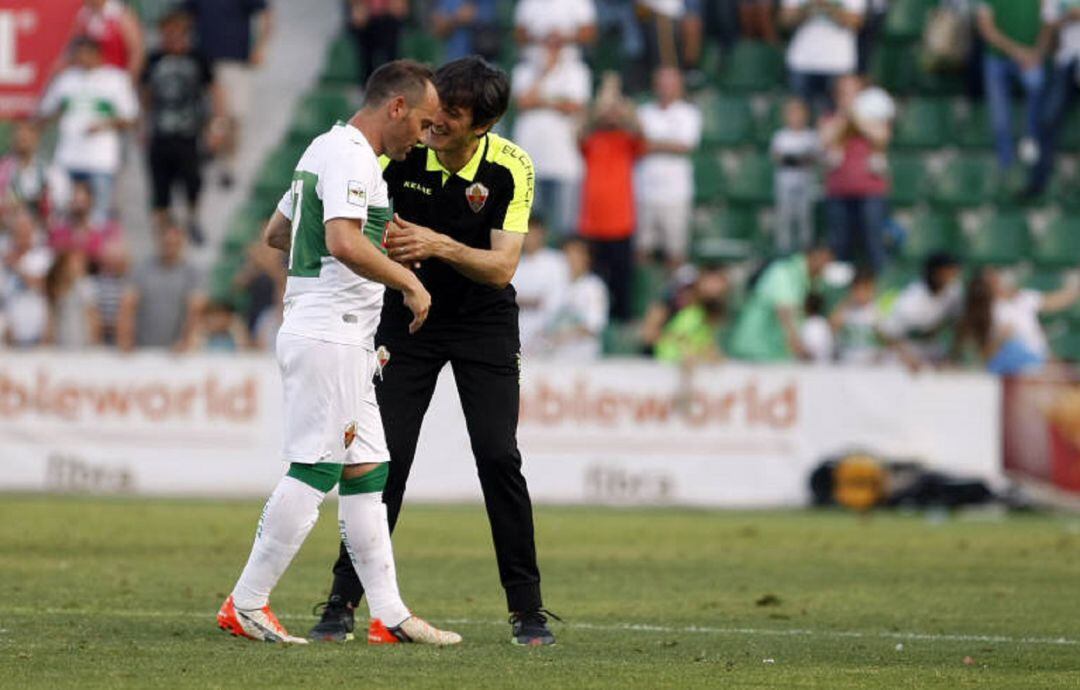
point(542, 277)
point(922, 310)
point(570, 24)
point(551, 96)
point(1062, 87)
point(95, 103)
point(823, 46)
point(664, 179)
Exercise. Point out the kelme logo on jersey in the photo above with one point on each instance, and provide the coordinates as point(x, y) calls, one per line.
point(477, 194)
point(356, 194)
point(350, 434)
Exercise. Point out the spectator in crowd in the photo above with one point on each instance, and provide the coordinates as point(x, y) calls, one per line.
point(576, 329)
point(26, 262)
point(856, 321)
point(692, 40)
point(94, 103)
point(262, 281)
point(1063, 16)
point(610, 145)
point(375, 26)
point(177, 84)
point(226, 37)
point(757, 20)
point(1017, 43)
point(550, 97)
point(664, 182)
point(823, 46)
point(922, 311)
point(110, 283)
point(115, 27)
point(541, 24)
point(767, 327)
point(76, 231)
point(541, 278)
point(855, 138)
point(221, 329)
point(693, 334)
point(163, 301)
point(661, 21)
point(679, 292)
point(867, 38)
point(1001, 321)
point(73, 323)
point(796, 151)
point(468, 27)
point(815, 333)
point(27, 179)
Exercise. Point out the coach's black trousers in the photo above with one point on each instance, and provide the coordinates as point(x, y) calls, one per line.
point(486, 370)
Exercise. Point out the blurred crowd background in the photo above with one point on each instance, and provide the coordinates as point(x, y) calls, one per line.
point(871, 182)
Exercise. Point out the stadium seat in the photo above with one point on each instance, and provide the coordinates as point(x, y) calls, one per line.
point(931, 232)
point(726, 235)
point(923, 124)
point(908, 179)
point(648, 286)
point(341, 67)
point(893, 68)
point(621, 340)
point(422, 46)
point(950, 83)
point(1065, 343)
point(1069, 137)
point(708, 178)
point(905, 19)
point(753, 182)
point(1065, 189)
point(973, 129)
point(316, 112)
point(727, 121)
point(773, 120)
point(1003, 238)
point(753, 66)
point(1059, 244)
point(966, 181)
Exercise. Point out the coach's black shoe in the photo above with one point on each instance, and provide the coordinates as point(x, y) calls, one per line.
point(530, 628)
point(336, 623)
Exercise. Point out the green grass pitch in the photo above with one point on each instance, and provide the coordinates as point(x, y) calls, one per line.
point(122, 593)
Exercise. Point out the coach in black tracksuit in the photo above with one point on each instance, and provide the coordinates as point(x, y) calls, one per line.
point(462, 211)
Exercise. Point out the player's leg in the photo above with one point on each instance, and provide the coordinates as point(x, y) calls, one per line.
point(365, 531)
point(486, 371)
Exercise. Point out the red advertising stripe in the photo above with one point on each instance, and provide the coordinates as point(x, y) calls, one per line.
point(33, 35)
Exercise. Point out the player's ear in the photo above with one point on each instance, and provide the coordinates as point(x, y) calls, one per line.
point(398, 107)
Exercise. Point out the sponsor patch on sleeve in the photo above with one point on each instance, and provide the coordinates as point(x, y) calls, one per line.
point(356, 195)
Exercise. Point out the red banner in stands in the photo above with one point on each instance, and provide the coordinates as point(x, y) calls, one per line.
point(33, 35)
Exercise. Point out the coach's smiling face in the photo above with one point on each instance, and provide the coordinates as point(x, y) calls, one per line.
point(453, 130)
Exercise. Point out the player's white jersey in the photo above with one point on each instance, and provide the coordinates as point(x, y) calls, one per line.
point(338, 176)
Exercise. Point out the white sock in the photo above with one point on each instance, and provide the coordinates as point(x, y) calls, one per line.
point(366, 533)
point(287, 519)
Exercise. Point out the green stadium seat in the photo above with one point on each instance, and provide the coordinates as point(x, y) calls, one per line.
point(727, 121)
point(621, 340)
point(1004, 238)
point(753, 183)
point(422, 46)
point(317, 112)
point(342, 67)
point(1065, 189)
point(973, 129)
point(648, 286)
point(773, 120)
point(923, 124)
point(966, 181)
point(1065, 344)
point(905, 19)
point(708, 178)
point(1069, 137)
point(1059, 244)
point(931, 232)
point(893, 68)
point(908, 179)
point(754, 66)
point(726, 235)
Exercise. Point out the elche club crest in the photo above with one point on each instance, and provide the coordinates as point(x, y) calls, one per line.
point(350, 434)
point(477, 195)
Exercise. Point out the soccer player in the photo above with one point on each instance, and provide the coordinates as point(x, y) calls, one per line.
point(463, 210)
point(331, 223)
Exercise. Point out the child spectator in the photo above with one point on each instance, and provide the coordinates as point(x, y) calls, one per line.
point(923, 310)
point(576, 328)
point(74, 323)
point(856, 322)
point(815, 333)
point(109, 284)
point(680, 291)
point(693, 334)
point(610, 144)
point(222, 329)
point(262, 280)
point(22, 281)
point(541, 278)
point(796, 149)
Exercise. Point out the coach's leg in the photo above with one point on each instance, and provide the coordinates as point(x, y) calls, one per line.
point(487, 370)
point(404, 393)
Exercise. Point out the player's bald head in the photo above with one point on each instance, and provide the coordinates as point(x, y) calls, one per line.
point(406, 78)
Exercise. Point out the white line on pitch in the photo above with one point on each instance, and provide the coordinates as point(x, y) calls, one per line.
point(628, 627)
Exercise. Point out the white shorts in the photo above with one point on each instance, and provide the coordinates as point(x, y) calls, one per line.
point(331, 414)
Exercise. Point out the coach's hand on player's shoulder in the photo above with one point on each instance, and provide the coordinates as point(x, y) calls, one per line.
point(408, 242)
point(418, 300)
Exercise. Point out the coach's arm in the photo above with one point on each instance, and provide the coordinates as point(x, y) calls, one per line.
point(409, 243)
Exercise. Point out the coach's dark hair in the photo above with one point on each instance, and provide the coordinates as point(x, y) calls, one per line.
point(406, 78)
point(473, 82)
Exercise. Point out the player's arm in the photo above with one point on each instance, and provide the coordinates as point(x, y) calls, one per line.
point(346, 242)
point(278, 232)
point(408, 243)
